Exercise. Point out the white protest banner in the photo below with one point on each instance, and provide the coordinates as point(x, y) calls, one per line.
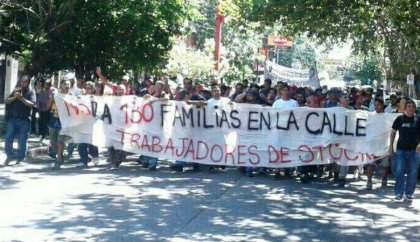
point(237, 135)
point(298, 77)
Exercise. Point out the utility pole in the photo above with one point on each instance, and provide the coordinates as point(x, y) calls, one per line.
point(218, 37)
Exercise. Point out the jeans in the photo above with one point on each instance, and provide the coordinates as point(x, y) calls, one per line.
point(406, 162)
point(86, 149)
point(20, 128)
point(150, 161)
point(70, 148)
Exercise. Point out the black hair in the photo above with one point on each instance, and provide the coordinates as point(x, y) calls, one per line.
point(380, 100)
point(410, 101)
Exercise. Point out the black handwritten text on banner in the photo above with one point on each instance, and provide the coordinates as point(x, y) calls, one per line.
point(237, 134)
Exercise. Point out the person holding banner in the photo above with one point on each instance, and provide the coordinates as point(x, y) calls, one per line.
point(217, 101)
point(285, 102)
point(57, 140)
point(158, 94)
point(407, 153)
point(379, 109)
point(187, 94)
point(85, 150)
point(117, 156)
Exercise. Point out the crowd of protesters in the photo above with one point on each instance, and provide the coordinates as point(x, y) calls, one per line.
point(25, 104)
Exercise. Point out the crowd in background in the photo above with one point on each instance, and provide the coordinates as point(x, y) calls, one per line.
point(44, 119)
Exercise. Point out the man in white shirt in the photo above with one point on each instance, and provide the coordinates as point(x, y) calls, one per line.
point(285, 102)
point(217, 99)
point(393, 106)
point(76, 89)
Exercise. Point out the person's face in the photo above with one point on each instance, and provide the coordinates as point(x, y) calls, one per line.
point(344, 101)
point(24, 84)
point(285, 92)
point(310, 101)
point(64, 87)
point(151, 89)
point(368, 96)
point(187, 85)
point(80, 84)
point(267, 85)
point(300, 98)
point(158, 89)
point(271, 95)
point(250, 98)
point(393, 101)
point(358, 100)
point(47, 86)
point(401, 105)
point(215, 92)
point(410, 109)
point(88, 90)
point(120, 91)
point(379, 108)
point(39, 84)
point(239, 89)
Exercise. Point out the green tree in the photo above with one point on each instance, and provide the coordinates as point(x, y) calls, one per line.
point(364, 68)
point(192, 63)
point(118, 35)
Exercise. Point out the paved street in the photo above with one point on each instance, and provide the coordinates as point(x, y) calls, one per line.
point(134, 204)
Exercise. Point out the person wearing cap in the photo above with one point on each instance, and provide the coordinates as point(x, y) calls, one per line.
point(407, 152)
point(393, 105)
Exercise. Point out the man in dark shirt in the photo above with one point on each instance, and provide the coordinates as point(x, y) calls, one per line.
point(406, 156)
point(19, 107)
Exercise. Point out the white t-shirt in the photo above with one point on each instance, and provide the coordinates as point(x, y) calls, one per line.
point(75, 91)
point(222, 102)
point(389, 109)
point(282, 104)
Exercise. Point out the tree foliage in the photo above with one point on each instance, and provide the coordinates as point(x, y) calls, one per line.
point(392, 24)
point(192, 63)
point(115, 34)
point(365, 68)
